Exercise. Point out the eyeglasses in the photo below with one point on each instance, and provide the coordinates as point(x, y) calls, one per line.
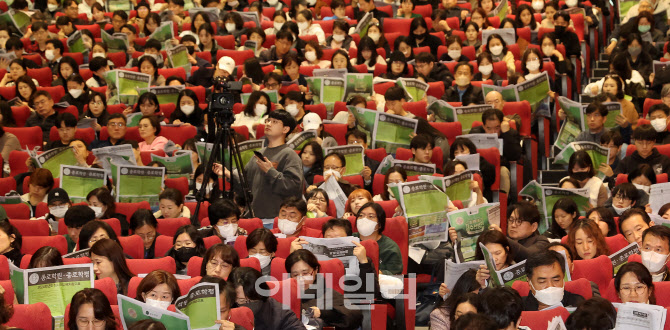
point(621, 198)
point(147, 237)
point(96, 323)
point(213, 264)
point(514, 221)
point(271, 121)
point(336, 168)
point(317, 200)
point(639, 289)
point(116, 124)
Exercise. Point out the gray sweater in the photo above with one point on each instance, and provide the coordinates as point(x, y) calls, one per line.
point(271, 188)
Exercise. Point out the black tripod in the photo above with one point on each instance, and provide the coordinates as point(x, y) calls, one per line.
point(221, 114)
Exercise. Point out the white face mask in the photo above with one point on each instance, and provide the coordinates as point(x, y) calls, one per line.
point(455, 54)
point(374, 36)
point(660, 124)
point(99, 55)
point(620, 210)
point(58, 211)
point(76, 92)
point(365, 226)
point(654, 261)
point(292, 109)
point(230, 27)
point(187, 109)
point(538, 5)
point(548, 50)
point(228, 230)
point(462, 81)
point(157, 303)
point(549, 296)
point(97, 210)
point(486, 69)
point(264, 260)
point(311, 2)
point(338, 37)
point(332, 172)
point(260, 109)
point(52, 7)
point(310, 56)
point(571, 3)
point(49, 54)
point(272, 2)
point(533, 65)
point(287, 227)
point(278, 26)
point(233, 3)
point(496, 50)
point(646, 189)
point(303, 26)
point(208, 189)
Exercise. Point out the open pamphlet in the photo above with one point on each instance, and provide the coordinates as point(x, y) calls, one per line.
point(470, 223)
point(131, 311)
point(137, 183)
point(425, 208)
point(415, 168)
point(506, 276)
point(620, 257)
point(466, 115)
point(335, 248)
point(117, 42)
point(635, 316)
point(54, 158)
point(658, 196)
point(457, 186)
point(353, 154)
point(201, 304)
point(454, 270)
point(165, 94)
point(79, 181)
point(533, 90)
point(331, 87)
point(124, 86)
point(335, 194)
point(545, 197)
point(75, 43)
point(299, 140)
point(178, 165)
point(599, 154)
point(122, 154)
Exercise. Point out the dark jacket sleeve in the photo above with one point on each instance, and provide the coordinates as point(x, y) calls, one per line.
point(511, 145)
point(522, 252)
point(339, 316)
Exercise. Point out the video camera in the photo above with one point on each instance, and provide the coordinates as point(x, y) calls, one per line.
point(223, 98)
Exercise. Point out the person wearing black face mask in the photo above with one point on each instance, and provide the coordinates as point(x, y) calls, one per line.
point(188, 243)
point(421, 37)
point(191, 44)
point(568, 38)
point(580, 168)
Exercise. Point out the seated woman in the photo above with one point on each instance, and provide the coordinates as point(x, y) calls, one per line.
point(40, 183)
point(440, 317)
point(563, 215)
point(223, 217)
point(604, 218)
point(340, 60)
point(370, 222)
point(147, 104)
point(314, 55)
point(97, 108)
point(219, 261)
point(268, 312)
point(212, 191)
point(485, 69)
point(94, 231)
point(664, 211)
point(10, 242)
point(187, 112)
point(499, 52)
point(109, 261)
point(586, 241)
point(171, 205)
point(227, 299)
point(549, 51)
point(307, 28)
point(77, 92)
point(454, 50)
point(312, 161)
point(357, 198)
point(396, 67)
point(16, 70)
point(580, 168)
point(633, 283)
point(102, 202)
point(187, 243)
point(291, 65)
point(395, 174)
point(144, 224)
point(24, 91)
point(148, 65)
point(149, 128)
point(90, 308)
point(46, 256)
point(317, 203)
point(262, 245)
point(158, 289)
point(456, 167)
point(467, 303)
point(499, 248)
point(463, 146)
point(255, 112)
point(367, 54)
point(304, 267)
point(340, 39)
point(642, 178)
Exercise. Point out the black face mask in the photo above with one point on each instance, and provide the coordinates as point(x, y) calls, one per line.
point(420, 36)
point(184, 254)
point(558, 29)
point(581, 176)
point(191, 49)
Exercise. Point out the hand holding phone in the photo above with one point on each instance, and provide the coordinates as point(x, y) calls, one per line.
point(259, 155)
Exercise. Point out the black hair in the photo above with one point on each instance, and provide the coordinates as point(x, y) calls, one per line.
point(582, 159)
point(625, 190)
point(247, 278)
point(77, 216)
point(644, 132)
point(642, 274)
point(612, 136)
point(222, 209)
point(236, 17)
point(196, 118)
point(662, 232)
point(66, 118)
point(526, 211)
point(394, 93)
point(492, 114)
point(91, 227)
point(296, 202)
point(284, 34)
point(471, 298)
point(643, 170)
point(379, 210)
point(568, 251)
point(631, 212)
point(153, 63)
point(318, 153)
point(543, 258)
point(596, 313)
point(302, 255)
point(450, 166)
point(421, 141)
point(461, 144)
point(619, 85)
point(343, 160)
point(367, 43)
point(661, 106)
point(153, 44)
point(262, 235)
point(342, 52)
point(465, 284)
point(606, 216)
point(314, 192)
point(121, 13)
point(286, 119)
point(472, 321)
point(13, 43)
point(596, 106)
point(567, 205)
point(502, 41)
point(337, 222)
point(57, 44)
point(253, 70)
point(147, 96)
point(195, 236)
point(503, 304)
point(204, 17)
point(97, 63)
point(397, 56)
point(141, 218)
point(524, 59)
point(357, 134)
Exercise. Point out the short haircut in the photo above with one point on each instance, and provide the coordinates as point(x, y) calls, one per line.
point(379, 210)
point(460, 144)
point(66, 118)
point(424, 57)
point(543, 258)
point(118, 115)
point(492, 114)
point(13, 43)
point(262, 235)
point(460, 64)
point(286, 119)
point(173, 195)
point(57, 44)
point(97, 63)
point(394, 93)
point(611, 136)
point(659, 107)
point(357, 134)
point(503, 304)
point(154, 44)
point(156, 278)
point(247, 278)
point(596, 106)
point(296, 202)
point(563, 14)
point(141, 218)
point(284, 35)
point(64, 20)
point(644, 132)
point(662, 232)
point(595, 313)
point(121, 14)
point(338, 222)
point(421, 141)
point(339, 156)
point(474, 321)
point(583, 160)
point(42, 93)
point(565, 246)
point(224, 251)
point(641, 273)
point(77, 216)
point(631, 212)
point(625, 190)
point(222, 209)
point(130, 27)
point(39, 26)
point(527, 211)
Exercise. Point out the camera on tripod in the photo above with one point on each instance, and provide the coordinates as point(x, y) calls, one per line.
point(223, 99)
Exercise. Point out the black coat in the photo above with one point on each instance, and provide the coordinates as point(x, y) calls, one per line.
point(440, 72)
point(472, 92)
point(659, 162)
point(511, 144)
point(337, 315)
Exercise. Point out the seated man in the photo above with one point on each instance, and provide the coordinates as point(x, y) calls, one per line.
point(613, 141)
point(54, 53)
point(464, 91)
point(523, 218)
point(335, 164)
point(119, 20)
point(14, 44)
point(356, 137)
point(645, 153)
point(283, 42)
point(430, 70)
point(75, 218)
point(67, 126)
point(546, 273)
point(291, 219)
point(44, 116)
point(65, 27)
point(504, 305)
point(98, 66)
point(655, 250)
point(596, 116)
point(659, 116)
point(395, 100)
point(204, 75)
point(422, 150)
point(116, 129)
point(152, 48)
point(191, 43)
point(633, 223)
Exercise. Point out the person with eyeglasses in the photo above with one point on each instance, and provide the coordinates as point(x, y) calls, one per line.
point(523, 219)
point(335, 165)
point(116, 129)
point(227, 296)
point(317, 203)
point(94, 231)
point(90, 309)
point(633, 283)
point(624, 197)
point(219, 261)
point(44, 116)
point(645, 153)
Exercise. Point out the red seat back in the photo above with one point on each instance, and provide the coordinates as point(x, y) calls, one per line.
point(145, 266)
point(169, 227)
point(397, 230)
point(180, 183)
point(580, 286)
point(450, 130)
point(29, 137)
point(132, 246)
point(128, 209)
point(540, 319)
point(33, 243)
point(32, 316)
point(597, 270)
point(39, 227)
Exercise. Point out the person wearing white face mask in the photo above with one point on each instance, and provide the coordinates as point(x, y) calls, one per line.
point(77, 94)
point(546, 271)
point(101, 201)
point(188, 112)
point(291, 219)
point(224, 216)
point(304, 20)
point(334, 165)
point(659, 116)
point(624, 197)
point(499, 52)
point(642, 178)
point(454, 50)
point(278, 19)
point(255, 112)
point(58, 202)
point(233, 24)
point(262, 245)
point(158, 289)
point(531, 64)
point(53, 53)
point(464, 90)
point(655, 250)
point(370, 223)
point(485, 70)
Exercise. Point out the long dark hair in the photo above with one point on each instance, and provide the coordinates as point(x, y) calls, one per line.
point(253, 70)
point(28, 81)
point(196, 118)
point(147, 96)
point(642, 274)
point(606, 216)
point(105, 197)
point(253, 99)
point(495, 237)
point(465, 284)
point(7, 116)
point(367, 44)
point(195, 236)
point(112, 250)
point(46, 256)
point(582, 159)
point(90, 228)
point(567, 205)
point(318, 153)
point(10, 230)
point(153, 63)
point(102, 310)
point(104, 116)
point(394, 169)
